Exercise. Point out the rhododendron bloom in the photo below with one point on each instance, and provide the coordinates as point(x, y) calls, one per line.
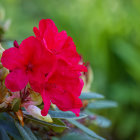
point(50, 63)
point(27, 62)
point(63, 87)
point(59, 43)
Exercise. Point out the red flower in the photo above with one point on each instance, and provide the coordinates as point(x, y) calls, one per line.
point(63, 87)
point(28, 62)
point(50, 63)
point(59, 43)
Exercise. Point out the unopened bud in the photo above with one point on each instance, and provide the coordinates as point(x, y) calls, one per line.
point(36, 113)
point(16, 44)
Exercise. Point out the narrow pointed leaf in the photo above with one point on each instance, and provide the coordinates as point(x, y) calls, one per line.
point(22, 131)
point(3, 134)
point(30, 133)
point(99, 120)
point(65, 115)
point(102, 121)
point(85, 129)
point(8, 124)
point(58, 129)
point(90, 95)
point(101, 104)
point(76, 136)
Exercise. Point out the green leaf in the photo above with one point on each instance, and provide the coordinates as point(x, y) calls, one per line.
point(85, 129)
point(90, 95)
point(30, 133)
point(55, 138)
point(3, 134)
point(58, 122)
point(101, 104)
point(16, 104)
point(76, 136)
point(102, 121)
point(99, 120)
point(44, 123)
point(7, 122)
point(22, 131)
point(65, 115)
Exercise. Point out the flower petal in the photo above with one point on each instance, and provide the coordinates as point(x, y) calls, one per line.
point(16, 80)
point(76, 111)
point(47, 103)
point(57, 42)
point(36, 80)
point(69, 53)
point(11, 58)
point(63, 99)
point(46, 26)
point(40, 71)
point(36, 32)
point(67, 78)
point(31, 49)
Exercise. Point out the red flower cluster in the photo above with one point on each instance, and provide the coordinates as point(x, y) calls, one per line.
point(50, 63)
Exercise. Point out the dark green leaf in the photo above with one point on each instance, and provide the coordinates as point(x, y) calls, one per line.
point(90, 95)
point(22, 131)
point(58, 122)
point(85, 129)
point(30, 133)
point(101, 104)
point(8, 124)
point(3, 134)
point(55, 138)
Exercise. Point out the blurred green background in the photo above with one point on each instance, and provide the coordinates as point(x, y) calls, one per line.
point(107, 34)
